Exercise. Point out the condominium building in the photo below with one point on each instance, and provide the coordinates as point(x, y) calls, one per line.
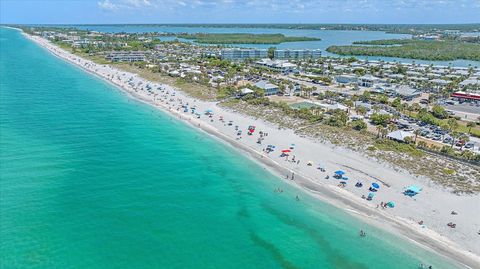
point(297, 54)
point(240, 54)
point(126, 56)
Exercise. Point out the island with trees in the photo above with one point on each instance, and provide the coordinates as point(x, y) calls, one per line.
point(434, 50)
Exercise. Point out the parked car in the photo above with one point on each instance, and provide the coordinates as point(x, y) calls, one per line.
point(469, 145)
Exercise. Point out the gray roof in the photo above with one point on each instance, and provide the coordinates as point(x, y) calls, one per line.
point(405, 90)
point(399, 135)
point(263, 84)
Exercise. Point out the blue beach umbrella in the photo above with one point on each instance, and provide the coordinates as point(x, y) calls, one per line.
point(209, 111)
point(375, 185)
point(339, 172)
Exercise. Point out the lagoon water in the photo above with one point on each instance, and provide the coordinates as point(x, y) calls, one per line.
point(328, 38)
point(93, 179)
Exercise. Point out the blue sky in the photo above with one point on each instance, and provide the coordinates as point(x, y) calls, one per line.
point(236, 11)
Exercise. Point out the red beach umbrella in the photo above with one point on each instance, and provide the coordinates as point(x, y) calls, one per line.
point(286, 150)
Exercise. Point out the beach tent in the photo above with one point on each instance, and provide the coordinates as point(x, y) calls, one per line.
point(375, 185)
point(412, 190)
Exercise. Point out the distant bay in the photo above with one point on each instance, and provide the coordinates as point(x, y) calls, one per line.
point(328, 38)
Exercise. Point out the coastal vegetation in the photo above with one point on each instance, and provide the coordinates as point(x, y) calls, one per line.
point(389, 28)
point(410, 48)
point(211, 38)
point(333, 128)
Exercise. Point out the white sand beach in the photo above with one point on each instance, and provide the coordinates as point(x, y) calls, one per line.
point(433, 205)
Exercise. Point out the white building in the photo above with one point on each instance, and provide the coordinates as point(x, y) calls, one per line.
point(126, 56)
point(346, 79)
point(267, 87)
point(406, 92)
point(367, 81)
point(278, 65)
point(297, 54)
point(241, 54)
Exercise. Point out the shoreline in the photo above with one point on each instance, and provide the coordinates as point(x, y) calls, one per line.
point(329, 193)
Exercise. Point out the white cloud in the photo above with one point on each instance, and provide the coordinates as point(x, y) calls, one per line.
point(137, 3)
point(124, 4)
point(107, 5)
point(286, 6)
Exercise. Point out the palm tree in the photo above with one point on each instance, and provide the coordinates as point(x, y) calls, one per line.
point(391, 127)
point(349, 104)
point(384, 132)
point(454, 136)
point(465, 139)
point(379, 130)
point(470, 125)
point(416, 132)
point(452, 124)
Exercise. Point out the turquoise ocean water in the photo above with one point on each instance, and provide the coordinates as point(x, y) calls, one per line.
point(93, 179)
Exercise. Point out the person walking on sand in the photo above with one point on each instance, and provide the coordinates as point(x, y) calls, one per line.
point(293, 175)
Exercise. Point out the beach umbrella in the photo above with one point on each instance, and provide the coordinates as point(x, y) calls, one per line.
point(339, 172)
point(343, 182)
point(286, 150)
point(391, 204)
point(209, 110)
point(344, 178)
point(375, 185)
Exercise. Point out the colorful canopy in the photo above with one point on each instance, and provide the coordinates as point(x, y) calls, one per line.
point(414, 189)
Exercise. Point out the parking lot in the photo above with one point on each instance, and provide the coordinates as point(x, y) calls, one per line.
point(468, 111)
